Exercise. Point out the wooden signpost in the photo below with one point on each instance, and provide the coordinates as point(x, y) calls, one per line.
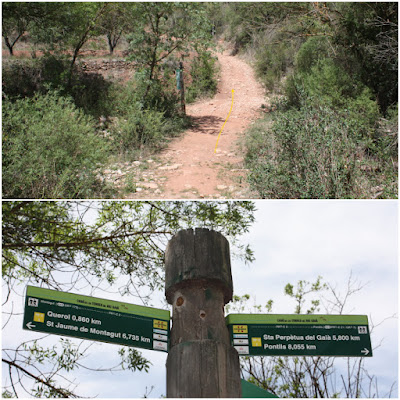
point(198, 283)
point(180, 85)
point(203, 346)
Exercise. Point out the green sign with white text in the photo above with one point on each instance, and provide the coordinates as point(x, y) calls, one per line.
point(300, 335)
point(84, 317)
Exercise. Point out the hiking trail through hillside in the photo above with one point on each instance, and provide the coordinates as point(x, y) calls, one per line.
point(188, 167)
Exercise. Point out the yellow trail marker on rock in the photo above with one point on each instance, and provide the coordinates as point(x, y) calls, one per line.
point(215, 150)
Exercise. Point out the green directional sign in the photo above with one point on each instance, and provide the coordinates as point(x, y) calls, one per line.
point(300, 335)
point(69, 314)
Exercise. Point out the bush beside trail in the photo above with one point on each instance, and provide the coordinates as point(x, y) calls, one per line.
point(50, 149)
point(332, 73)
point(314, 153)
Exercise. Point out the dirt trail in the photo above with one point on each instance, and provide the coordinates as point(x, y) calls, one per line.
point(188, 167)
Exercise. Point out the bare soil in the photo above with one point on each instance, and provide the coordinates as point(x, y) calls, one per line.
point(189, 167)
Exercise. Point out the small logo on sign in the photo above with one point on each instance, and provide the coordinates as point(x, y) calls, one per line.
point(160, 345)
point(239, 328)
point(160, 324)
point(242, 349)
point(362, 329)
point(38, 317)
point(256, 342)
point(33, 302)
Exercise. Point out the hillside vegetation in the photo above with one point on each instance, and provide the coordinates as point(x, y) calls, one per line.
point(332, 71)
point(88, 119)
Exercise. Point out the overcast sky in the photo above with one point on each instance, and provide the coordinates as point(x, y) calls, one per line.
point(292, 241)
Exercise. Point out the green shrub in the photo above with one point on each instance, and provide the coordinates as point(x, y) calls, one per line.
point(91, 92)
point(50, 149)
point(158, 94)
point(388, 133)
point(327, 84)
point(25, 78)
point(272, 62)
point(138, 128)
point(307, 153)
point(310, 52)
point(204, 77)
point(294, 91)
point(125, 96)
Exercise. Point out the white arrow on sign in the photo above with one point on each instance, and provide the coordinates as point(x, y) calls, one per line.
point(29, 325)
point(365, 351)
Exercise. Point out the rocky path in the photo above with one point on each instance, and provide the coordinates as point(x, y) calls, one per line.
point(188, 167)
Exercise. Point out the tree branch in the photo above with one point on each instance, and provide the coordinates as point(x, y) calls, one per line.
point(18, 367)
point(56, 245)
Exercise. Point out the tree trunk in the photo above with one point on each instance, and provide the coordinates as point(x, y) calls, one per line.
point(9, 46)
point(83, 39)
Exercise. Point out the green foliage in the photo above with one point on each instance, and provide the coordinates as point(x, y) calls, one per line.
point(156, 94)
point(91, 92)
point(68, 25)
point(137, 124)
point(324, 136)
point(50, 149)
point(64, 358)
point(388, 141)
point(368, 32)
point(139, 128)
point(185, 22)
point(132, 360)
point(309, 153)
point(68, 244)
point(303, 289)
point(361, 37)
point(151, 43)
point(306, 377)
point(144, 114)
point(17, 18)
point(203, 72)
point(235, 31)
point(272, 62)
point(239, 304)
point(314, 49)
point(24, 78)
point(121, 241)
point(326, 84)
point(113, 23)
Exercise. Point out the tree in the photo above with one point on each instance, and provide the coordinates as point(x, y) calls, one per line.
point(309, 377)
point(68, 25)
point(85, 17)
point(98, 246)
point(369, 33)
point(162, 29)
point(114, 23)
point(17, 19)
point(14, 24)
